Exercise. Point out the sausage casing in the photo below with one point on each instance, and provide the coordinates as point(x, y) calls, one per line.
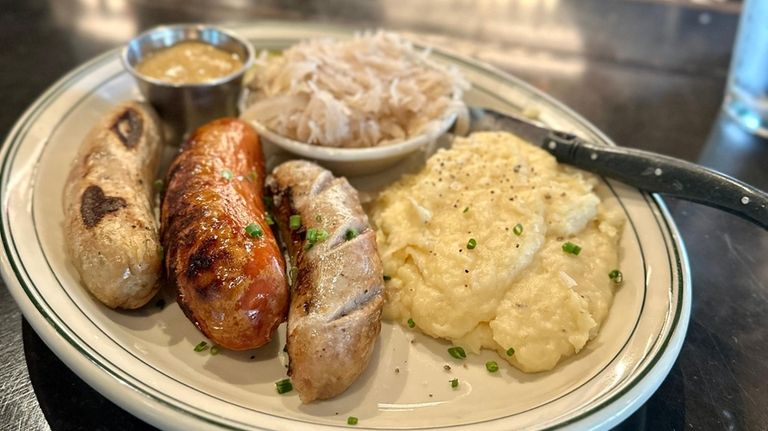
point(230, 279)
point(335, 314)
point(109, 225)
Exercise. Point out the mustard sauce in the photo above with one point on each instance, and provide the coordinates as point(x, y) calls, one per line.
point(189, 63)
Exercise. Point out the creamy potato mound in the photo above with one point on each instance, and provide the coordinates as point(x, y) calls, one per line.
point(509, 291)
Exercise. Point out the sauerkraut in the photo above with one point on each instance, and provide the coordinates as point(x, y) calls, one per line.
point(370, 90)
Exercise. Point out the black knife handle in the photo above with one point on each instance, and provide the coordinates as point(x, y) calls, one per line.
point(661, 174)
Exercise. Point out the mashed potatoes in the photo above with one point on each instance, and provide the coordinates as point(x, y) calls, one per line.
point(512, 290)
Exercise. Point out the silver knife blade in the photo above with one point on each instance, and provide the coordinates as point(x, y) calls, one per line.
point(483, 119)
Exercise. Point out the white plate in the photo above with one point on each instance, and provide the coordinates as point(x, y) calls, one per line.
point(144, 361)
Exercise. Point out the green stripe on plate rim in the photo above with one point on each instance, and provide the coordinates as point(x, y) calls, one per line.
point(22, 127)
point(131, 353)
point(10, 148)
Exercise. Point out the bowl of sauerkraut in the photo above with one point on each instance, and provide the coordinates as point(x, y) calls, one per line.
point(356, 105)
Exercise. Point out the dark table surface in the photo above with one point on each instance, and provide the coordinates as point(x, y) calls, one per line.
point(648, 73)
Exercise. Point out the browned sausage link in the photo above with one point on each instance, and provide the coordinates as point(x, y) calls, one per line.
point(230, 278)
point(334, 317)
point(109, 224)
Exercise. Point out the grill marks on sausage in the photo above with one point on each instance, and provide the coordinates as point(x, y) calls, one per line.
point(128, 128)
point(201, 267)
point(199, 261)
point(94, 205)
point(357, 304)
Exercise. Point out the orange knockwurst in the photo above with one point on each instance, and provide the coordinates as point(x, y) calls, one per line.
point(220, 252)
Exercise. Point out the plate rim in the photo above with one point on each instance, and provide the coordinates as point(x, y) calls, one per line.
point(46, 326)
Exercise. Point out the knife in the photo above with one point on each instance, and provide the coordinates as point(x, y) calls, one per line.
point(655, 173)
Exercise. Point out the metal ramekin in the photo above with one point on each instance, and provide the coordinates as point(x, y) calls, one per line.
point(184, 107)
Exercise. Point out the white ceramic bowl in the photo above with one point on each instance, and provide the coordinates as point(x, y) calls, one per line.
point(367, 160)
point(358, 161)
point(361, 161)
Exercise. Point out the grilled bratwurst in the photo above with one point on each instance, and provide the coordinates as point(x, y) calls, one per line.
point(334, 317)
point(109, 226)
point(220, 252)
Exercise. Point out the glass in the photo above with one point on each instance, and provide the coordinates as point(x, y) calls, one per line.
point(746, 97)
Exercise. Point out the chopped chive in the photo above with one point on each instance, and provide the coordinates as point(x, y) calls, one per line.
point(268, 202)
point(492, 366)
point(457, 352)
point(201, 346)
point(270, 221)
point(571, 248)
point(351, 233)
point(411, 323)
point(226, 174)
point(351, 420)
point(284, 386)
point(616, 276)
point(254, 230)
point(471, 244)
point(252, 176)
point(294, 222)
point(318, 218)
point(214, 350)
point(158, 184)
point(510, 351)
point(465, 209)
point(387, 278)
point(455, 383)
point(160, 251)
point(518, 229)
point(314, 236)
